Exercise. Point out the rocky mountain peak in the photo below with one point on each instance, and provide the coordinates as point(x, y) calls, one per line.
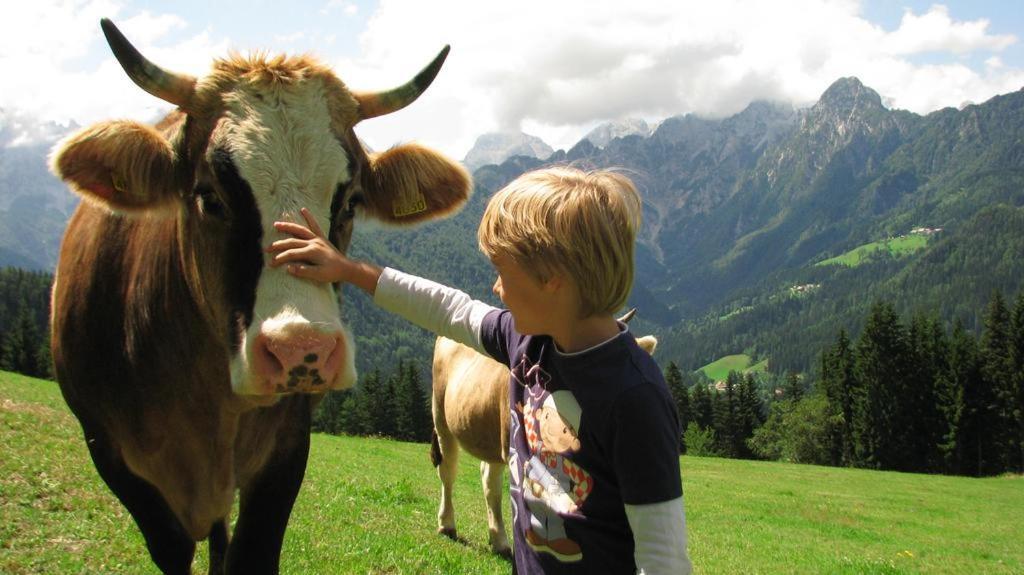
point(849, 95)
point(496, 147)
point(21, 129)
point(605, 133)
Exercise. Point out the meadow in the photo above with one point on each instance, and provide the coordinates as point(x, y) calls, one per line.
point(369, 505)
point(719, 369)
point(895, 247)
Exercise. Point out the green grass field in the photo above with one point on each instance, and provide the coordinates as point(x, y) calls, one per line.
point(719, 369)
point(368, 506)
point(897, 247)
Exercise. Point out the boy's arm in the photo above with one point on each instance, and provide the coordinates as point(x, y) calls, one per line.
point(435, 307)
point(659, 537)
point(438, 308)
point(644, 453)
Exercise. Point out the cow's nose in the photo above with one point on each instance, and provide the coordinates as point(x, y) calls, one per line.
point(298, 362)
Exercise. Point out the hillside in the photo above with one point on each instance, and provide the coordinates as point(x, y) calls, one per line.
point(369, 505)
point(738, 211)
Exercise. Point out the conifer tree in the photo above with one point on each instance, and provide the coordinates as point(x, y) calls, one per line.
point(750, 413)
point(368, 410)
point(412, 412)
point(955, 403)
point(840, 388)
point(879, 368)
point(385, 405)
point(353, 417)
point(22, 344)
point(702, 406)
point(794, 389)
point(1017, 381)
point(917, 411)
point(996, 372)
point(726, 416)
point(677, 387)
point(327, 417)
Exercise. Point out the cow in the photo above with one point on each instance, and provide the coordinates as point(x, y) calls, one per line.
point(470, 408)
point(190, 363)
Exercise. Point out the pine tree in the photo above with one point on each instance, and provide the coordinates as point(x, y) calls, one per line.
point(385, 408)
point(412, 411)
point(44, 358)
point(918, 413)
point(840, 389)
point(794, 389)
point(21, 345)
point(726, 418)
point(1017, 381)
point(879, 368)
point(369, 408)
point(954, 392)
point(326, 418)
point(702, 406)
point(750, 413)
point(676, 386)
point(996, 372)
point(352, 418)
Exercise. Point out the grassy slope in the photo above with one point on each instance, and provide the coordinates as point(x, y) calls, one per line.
point(720, 368)
point(368, 506)
point(896, 247)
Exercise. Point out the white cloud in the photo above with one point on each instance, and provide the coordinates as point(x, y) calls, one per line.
point(289, 38)
point(554, 69)
point(935, 31)
point(57, 66)
point(345, 6)
point(558, 68)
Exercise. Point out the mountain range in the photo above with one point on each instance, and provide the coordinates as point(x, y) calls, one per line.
point(737, 212)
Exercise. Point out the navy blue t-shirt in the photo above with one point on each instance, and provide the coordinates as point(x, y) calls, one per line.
point(589, 432)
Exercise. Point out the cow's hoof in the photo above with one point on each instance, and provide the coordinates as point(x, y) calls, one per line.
point(449, 532)
point(505, 553)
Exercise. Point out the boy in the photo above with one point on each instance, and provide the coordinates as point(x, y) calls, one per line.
point(593, 457)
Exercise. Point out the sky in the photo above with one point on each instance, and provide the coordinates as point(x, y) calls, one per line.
point(551, 68)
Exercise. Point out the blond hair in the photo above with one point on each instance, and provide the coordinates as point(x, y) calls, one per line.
point(563, 220)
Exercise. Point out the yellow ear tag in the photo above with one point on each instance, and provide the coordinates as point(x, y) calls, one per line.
point(404, 206)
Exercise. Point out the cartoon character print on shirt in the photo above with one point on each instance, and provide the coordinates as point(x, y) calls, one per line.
point(552, 485)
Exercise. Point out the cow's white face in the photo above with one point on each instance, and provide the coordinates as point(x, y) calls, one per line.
point(252, 143)
point(279, 141)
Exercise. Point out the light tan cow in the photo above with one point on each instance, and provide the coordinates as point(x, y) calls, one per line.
point(470, 408)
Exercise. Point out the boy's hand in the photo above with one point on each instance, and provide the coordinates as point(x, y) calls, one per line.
point(308, 253)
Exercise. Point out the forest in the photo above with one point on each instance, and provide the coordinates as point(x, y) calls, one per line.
point(903, 395)
point(910, 394)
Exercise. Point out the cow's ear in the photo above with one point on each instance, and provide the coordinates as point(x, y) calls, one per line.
point(124, 165)
point(647, 343)
point(411, 183)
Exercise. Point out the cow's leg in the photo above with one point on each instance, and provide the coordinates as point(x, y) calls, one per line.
point(491, 476)
point(218, 547)
point(446, 471)
point(170, 547)
point(266, 500)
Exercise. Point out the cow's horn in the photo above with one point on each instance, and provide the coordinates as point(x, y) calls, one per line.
point(628, 316)
point(174, 88)
point(376, 104)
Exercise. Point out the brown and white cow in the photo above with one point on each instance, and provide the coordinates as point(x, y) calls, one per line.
point(470, 408)
point(191, 364)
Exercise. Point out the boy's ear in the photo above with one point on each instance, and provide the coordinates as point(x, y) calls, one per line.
point(124, 165)
point(411, 183)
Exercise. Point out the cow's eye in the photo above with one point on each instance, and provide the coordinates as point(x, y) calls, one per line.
point(353, 203)
point(208, 201)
